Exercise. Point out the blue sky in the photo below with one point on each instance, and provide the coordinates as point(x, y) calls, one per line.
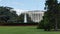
point(22, 5)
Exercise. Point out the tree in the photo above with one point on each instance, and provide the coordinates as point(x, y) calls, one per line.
point(21, 18)
point(58, 24)
point(50, 18)
point(6, 14)
point(51, 6)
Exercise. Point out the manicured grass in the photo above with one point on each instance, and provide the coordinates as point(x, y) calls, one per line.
point(24, 30)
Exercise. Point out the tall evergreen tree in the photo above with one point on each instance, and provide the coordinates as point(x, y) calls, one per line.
point(50, 18)
point(52, 12)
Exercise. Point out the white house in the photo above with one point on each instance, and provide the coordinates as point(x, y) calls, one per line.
point(35, 15)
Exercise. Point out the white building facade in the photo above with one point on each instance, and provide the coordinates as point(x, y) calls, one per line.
point(36, 15)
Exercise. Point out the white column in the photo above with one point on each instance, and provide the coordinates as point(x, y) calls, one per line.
point(25, 18)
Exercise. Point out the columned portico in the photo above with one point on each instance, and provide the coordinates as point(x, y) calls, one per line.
point(36, 16)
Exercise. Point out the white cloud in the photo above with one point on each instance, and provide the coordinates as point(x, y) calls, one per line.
point(19, 11)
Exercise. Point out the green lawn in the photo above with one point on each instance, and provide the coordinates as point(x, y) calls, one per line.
point(23, 30)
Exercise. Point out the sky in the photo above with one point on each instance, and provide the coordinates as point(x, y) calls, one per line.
point(24, 5)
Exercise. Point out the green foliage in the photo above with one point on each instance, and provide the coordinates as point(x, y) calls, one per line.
point(41, 25)
point(21, 18)
point(51, 16)
point(6, 14)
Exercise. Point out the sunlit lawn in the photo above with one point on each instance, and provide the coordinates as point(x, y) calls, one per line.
point(24, 30)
